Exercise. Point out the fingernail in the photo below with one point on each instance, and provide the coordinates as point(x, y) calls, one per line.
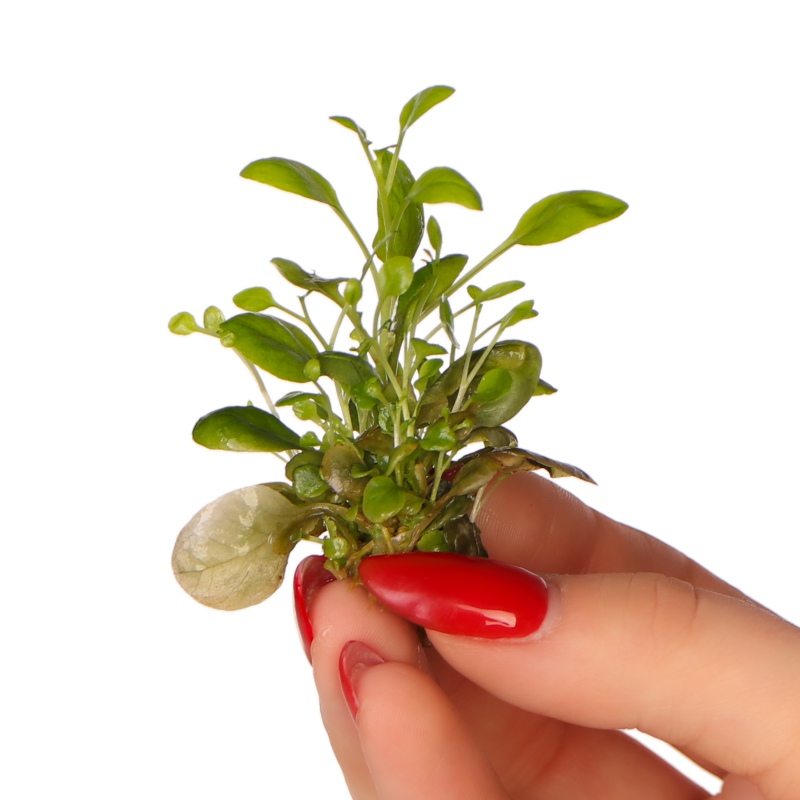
point(308, 578)
point(462, 595)
point(354, 660)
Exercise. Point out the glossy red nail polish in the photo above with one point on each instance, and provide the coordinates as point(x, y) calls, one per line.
point(353, 660)
point(308, 578)
point(457, 594)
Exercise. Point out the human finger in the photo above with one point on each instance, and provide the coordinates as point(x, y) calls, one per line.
point(330, 613)
point(533, 522)
point(699, 669)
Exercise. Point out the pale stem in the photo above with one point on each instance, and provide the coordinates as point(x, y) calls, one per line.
point(260, 382)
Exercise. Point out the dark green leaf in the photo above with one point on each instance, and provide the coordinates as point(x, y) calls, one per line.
point(445, 185)
point(244, 428)
point(297, 276)
point(294, 177)
point(406, 239)
point(383, 499)
point(277, 346)
point(421, 103)
point(255, 299)
point(521, 359)
point(560, 216)
point(474, 475)
point(345, 368)
point(429, 285)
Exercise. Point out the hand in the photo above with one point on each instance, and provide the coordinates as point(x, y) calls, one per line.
point(624, 632)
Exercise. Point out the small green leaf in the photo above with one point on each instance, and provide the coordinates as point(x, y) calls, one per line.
point(183, 323)
point(439, 437)
point(277, 346)
point(421, 103)
point(562, 215)
point(395, 276)
point(447, 319)
point(499, 290)
point(297, 276)
point(435, 235)
point(475, 292)
point(423, 349)
point(294, 177)
point(520, 312)
point(312, 369)
point(254, 299)
point(244, 428)
point(383, 499)
point(213, 318)
point(308, 483)
point(233, 552)
point(494, 384)
point(445, 185)
point(352, 292)
point(352, 125)
point(545, 388)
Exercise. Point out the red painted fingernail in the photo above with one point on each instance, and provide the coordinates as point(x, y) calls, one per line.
point(355, 658)
point(308, 578)
point(457, 594)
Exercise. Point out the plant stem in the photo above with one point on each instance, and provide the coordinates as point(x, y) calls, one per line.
point(260, 382)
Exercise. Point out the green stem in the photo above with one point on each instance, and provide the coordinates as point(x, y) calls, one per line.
point(307, 319)
point(466, 376)
point(260, 382)
point(496, 253)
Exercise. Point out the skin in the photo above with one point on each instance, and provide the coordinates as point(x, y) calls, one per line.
point(636, 636)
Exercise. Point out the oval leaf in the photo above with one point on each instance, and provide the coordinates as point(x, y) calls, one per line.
point(562, 215)
point(277, 346)
point(383, 498)
point(294, 177)
point(445, 185)
point(233, 552)
point(421, 103)
point(395, 276)
point(256, 299)
point(244, 428)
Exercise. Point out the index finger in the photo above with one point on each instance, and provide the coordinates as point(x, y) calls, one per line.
point(533, 522)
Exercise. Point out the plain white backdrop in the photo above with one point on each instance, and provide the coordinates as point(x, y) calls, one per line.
point(671, 333)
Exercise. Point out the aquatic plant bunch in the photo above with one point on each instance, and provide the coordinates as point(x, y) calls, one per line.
point(408, 424)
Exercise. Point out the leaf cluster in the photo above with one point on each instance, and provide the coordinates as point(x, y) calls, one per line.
point(397, 411)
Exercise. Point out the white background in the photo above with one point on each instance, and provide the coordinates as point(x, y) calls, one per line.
point(671, 333)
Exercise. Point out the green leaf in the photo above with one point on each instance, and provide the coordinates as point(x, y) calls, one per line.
point(244, 428)
point(345, 368)
point(435, 235)
point(308, 483)
point(497, 291)
point(233, 552)
point(297, 276)
point(294, 177)
point(429, 285)
point(439, 437)
point(406, 239)
point(494, 384)
point(562, 215)
point(520, 312)
point(474, 475)
point(445, 185)
point(277, 346)
point(545, 388)
point(423, 349)
point(213, 318)
point(255, 299)
point(395, 276)
point(521, 359)
point(183, 323)
point(447, 319)
point(337, 471)
point(421, 103)
point(383, 499)
point(352, 125)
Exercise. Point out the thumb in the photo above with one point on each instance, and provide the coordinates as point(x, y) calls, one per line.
point(701, 670)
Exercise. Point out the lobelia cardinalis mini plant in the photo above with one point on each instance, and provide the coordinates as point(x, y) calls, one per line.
point(408, 424)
